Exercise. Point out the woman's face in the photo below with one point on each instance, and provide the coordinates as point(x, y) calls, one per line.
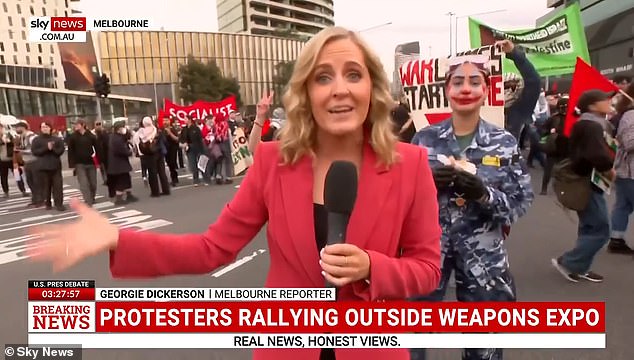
point(340, 88)
point(467, 89)
point(45, 129)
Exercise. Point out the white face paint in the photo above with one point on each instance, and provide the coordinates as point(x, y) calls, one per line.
point(467, 89)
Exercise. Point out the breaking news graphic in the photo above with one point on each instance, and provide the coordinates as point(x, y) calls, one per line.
point(75, 311)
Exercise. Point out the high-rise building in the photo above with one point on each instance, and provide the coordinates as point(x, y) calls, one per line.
point(51, 81)
point(402, 54)
point(267, 17)
point(145, 64)
point(25, 63)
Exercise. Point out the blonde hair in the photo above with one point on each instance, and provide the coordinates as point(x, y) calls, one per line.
point(298, 136)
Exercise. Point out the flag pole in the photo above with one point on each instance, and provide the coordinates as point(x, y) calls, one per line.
point(622, 92)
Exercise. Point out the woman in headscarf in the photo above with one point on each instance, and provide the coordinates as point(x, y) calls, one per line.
point(148, 142)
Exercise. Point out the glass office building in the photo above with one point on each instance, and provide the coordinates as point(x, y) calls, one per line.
point(145, 64)
point(36, 104)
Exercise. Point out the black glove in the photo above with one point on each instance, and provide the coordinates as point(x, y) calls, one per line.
point(470, 186)
point(444, 176)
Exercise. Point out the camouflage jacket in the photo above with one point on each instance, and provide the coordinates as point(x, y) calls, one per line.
point(475, 231)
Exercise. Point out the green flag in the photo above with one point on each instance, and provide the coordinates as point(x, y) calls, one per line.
point(552, 48)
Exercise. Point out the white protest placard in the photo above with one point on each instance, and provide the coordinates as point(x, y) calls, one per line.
point(423, 83)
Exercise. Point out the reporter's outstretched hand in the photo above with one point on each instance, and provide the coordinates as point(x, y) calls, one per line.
point(66, 245)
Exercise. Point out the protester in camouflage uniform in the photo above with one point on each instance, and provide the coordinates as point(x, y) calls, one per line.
point(483, 187)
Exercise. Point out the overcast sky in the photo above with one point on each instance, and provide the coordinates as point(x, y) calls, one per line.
point(411, 20)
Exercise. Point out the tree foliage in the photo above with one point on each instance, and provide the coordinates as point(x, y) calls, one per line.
point(283, 72)
point(205, 81)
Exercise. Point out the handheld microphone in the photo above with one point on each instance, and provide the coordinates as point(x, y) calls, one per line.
point(340, 194)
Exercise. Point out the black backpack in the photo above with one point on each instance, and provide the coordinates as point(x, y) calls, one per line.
point(149, 147)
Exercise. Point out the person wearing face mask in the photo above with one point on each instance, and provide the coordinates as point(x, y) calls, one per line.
point(483, 188)
point(588, 152)
point(48, 149)
point(346, 117)
point(119, 168)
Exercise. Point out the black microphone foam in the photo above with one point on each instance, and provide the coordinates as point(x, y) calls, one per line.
point(340, 194)
point(340, 188)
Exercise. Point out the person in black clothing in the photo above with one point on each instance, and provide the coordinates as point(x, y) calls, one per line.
point(553, 128)
point(404, 123)
point(48, 149)
point(171, 133)
point(192, 140)
point(589, 152)
point(82, 146)
point(102, 150)
point(119, 152)
point(148, 140)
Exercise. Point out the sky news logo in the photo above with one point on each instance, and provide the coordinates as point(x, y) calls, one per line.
point(74, 28)
point(57, 29)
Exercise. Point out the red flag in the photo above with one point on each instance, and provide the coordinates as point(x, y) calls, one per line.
point(584, 78)
point(160, 118)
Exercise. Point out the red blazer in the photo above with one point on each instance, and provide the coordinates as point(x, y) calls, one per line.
point(395, 219)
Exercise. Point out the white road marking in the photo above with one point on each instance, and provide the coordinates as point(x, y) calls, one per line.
point(14, 249)
point(33, 218)
point(53, 220)
point(238, 263)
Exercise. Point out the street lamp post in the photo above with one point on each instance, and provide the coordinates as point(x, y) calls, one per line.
point(451, 34)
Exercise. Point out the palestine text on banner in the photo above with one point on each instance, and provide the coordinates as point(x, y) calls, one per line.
point(424, 85)
point(552, 47)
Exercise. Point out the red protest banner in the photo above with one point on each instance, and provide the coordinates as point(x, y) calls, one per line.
point(200, 109)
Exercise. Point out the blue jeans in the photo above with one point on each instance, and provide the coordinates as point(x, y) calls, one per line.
point(623, 207)
point(593, 233)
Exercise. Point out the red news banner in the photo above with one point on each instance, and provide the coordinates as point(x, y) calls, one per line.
point(76, 306)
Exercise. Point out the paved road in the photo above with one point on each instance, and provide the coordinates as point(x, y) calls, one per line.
point(545, 232)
